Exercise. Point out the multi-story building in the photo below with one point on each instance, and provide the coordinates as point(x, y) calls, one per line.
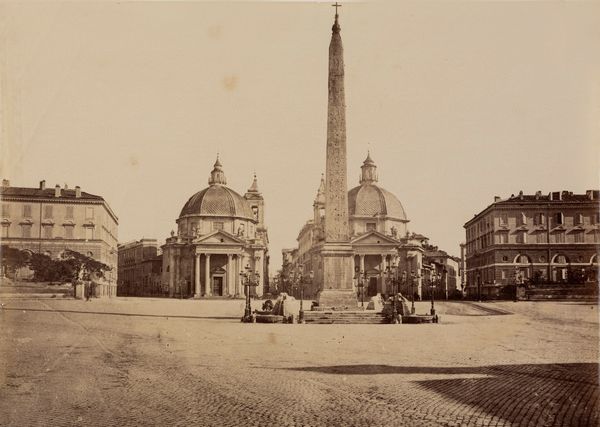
point(140, 268)
point(51, 220)
point(545, 238)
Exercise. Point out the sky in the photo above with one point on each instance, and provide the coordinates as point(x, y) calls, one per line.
point(456, 101)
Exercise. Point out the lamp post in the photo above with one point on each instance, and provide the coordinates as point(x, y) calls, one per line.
point(478, 286)
point(311, 275)
point(392, 279)
point(434, 277)
point(361, 285)
point(249, 279)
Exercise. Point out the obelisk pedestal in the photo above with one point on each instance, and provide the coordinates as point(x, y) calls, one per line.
point(336, 253)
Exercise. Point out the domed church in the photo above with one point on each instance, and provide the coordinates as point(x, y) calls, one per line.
point(219, 234)
point(378, 234)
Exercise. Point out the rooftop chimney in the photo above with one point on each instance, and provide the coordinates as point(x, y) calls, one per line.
point(77, 191)
point(555, 195)
point(43, 184)
point(5, 183)
point(57, 191)
point(66, 186)
point(521, 194)
point(496, 199)
point(538, 194)
point(564, 195)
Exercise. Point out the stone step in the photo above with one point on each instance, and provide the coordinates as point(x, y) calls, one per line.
point(344, 317)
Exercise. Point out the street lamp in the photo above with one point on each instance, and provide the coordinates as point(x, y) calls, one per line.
point(311, 275)
point(361, 285)
point(392, 279)
point(434, 277)
point(413, 276)
point(249, 279)
point(478, 286)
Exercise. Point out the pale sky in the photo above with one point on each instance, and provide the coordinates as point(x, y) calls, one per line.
point(457, 101)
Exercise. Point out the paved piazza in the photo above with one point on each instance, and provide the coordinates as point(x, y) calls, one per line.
point(134, 361)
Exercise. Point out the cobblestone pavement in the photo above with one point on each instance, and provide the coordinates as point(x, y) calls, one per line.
point(131, 361)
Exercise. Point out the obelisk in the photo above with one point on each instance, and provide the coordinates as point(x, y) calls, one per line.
point(336, 253)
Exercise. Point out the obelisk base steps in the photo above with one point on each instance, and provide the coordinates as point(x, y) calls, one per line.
point(337, 291)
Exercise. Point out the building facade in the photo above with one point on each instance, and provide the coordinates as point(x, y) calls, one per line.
point(548, 238)
point(220, 234)
point(140, 268)
point(51, 220)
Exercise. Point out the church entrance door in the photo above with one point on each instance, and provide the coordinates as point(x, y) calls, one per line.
point(372, 290)
point(217, 286)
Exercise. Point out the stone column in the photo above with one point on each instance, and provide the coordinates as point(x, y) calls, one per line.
point(229, 275)
point(236, 279)
point(382, 273)
point(197, 276)
point(207, 287)
point(362, 264)
point(171, 273)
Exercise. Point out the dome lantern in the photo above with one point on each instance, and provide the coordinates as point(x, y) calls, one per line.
point(369, 171)
point(217, 176)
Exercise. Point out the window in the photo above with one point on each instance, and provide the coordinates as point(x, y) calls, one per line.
point(5, 211)
point(540, 237)
point(579, 219)
point(26, 231)
point(503, 219)
point(5, 231)
point(48, 211)
point(503, 274)
point(89, 233)
point(27, 211)
point(69, 212)
point(539, 219)
point(218, 225)
point(559, 237)
point(68, 231)
point(523, 219)
point(522, 237)
point(559, 218)
point(47, 231)
point(503, 237)
point(371, 226)
point(578, 235)
point(89, 213)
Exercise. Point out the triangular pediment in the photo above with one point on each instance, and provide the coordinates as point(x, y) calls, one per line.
point(220, 237)
point(374, 238)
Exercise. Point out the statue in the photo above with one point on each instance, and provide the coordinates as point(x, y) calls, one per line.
point(172, 233)
point(394, 232)
point(240, 231)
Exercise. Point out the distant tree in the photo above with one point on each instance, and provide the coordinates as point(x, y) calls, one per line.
point(71, 267)
point(12, 259)
point(79, 267)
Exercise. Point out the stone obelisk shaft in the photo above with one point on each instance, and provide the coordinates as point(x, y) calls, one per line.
point(336, 253)
point(336, 190)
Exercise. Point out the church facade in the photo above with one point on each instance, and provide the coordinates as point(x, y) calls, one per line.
point(220, 234)
point(379, 236)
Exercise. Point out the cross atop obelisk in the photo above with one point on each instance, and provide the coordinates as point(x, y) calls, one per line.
point(336, 5)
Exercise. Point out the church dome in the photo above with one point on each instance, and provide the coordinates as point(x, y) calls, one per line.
point(217, 199)
point(369, 199)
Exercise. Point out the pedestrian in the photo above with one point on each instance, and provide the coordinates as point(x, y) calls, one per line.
point(87, 291)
